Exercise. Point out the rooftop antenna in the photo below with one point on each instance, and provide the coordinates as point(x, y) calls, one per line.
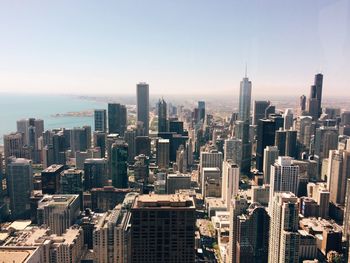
point(246, 70)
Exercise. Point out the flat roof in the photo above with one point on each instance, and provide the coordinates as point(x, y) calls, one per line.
point(163, 201)
point(15, 254)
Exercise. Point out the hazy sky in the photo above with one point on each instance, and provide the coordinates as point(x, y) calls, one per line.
point(177, 46)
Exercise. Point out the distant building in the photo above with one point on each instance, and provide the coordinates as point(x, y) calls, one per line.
point(163, 149)
point(142, 90)
point(100, 119)
point(95, 173)
point(119, 165)
point(245, 99)
point(117, 118)
point(259, 109)
point(162, 116)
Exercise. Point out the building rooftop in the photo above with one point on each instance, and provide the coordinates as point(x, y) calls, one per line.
point(53, 168)
point(163, 201)
point(16, 254)
point(57, 200)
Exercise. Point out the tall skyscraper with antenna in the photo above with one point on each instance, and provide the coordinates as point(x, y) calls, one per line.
point(245, 95)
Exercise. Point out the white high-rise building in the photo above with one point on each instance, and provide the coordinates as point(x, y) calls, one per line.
point(284, 177)
point(284, 237)
point(230, 181)
point(58, 212)
point(271, 154)
point(110, 236)
point(245, 94)
point(288, 119)
point(338, 173)
point(210, 159)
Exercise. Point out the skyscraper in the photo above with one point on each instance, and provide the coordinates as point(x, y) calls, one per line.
point(50, 179)
point(117, 118)
point(162, 229)
point(143, 106)
point(284, 238)
point(271, 154)
point(95, 173)
point(338, 173)
point(100, 118)
point(259, 110)
point(58, 212)
point(284, 177)
point(201, 110)
point(230, 181)
point(119, 165)
point(19, 186)
point(288, 119)
point(253, 235)
point(163, 146)
point(245, 99)
point(162, 116)
point(315, 99)
point(266, 137)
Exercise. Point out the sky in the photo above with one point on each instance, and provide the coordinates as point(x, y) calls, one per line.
point(177, 46)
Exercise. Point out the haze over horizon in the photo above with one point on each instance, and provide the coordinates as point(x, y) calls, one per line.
point(199, 47)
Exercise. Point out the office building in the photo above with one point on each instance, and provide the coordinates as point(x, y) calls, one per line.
point(71, 182)
point(163, 146)
point(95, 173)
point(271, 154)
point(142, 90)
point(130, 139)
point(211, 182)
point(238, 206)
point(266, 137)
point(117, 118)
point(326, 139)
point(315, 99)
point(162, 116)
point(230, 181)
point(201, 111)
point(106, 198)
point(119, 164)
point(175, 182)
point(284, 177)
point(100, 120)
point(110, 236)
point(245, 94)
point(288, 119)
point(50, 179)
point(210, 159)
point(100, 142)
point(253, 235)
point(58, 212)
point(284, 237)
point(143, 145)
point(259, 110)
point(19, 186)
point(162, 229)
point(13, 146)
point(338, 173)
point(80, 139)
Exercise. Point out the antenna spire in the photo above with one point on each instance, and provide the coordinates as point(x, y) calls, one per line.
point(246, 69)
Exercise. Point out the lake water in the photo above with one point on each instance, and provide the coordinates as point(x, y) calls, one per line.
point(15, 107)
